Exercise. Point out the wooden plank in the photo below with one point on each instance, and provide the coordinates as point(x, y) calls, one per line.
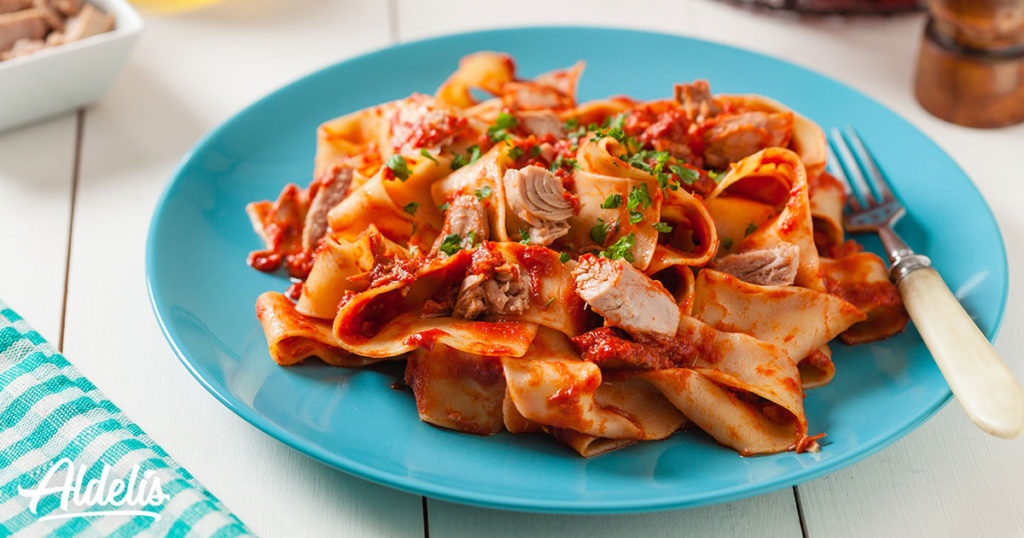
point(747, 517)
point(36, 164)
point(417, 20)
point(188, 74)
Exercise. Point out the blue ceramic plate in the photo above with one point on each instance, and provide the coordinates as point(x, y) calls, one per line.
point(203, 293)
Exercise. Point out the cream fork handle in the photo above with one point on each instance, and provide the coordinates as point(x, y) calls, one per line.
point(985, 388)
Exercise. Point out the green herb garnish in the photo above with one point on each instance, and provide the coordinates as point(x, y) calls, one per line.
point(411, 208)
point(425, 153)
point(398, 165)
point(613, 201)
point(499, 131)
point(451, 244)
point(599, 232)
point(621, 248)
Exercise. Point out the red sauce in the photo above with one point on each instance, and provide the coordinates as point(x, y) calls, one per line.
point(265, 261)
point(425, 339)
point(486, 259)
point(539, 262)
point(610, 348)
point(374, 314)
point(866, 296)
point(294, 291)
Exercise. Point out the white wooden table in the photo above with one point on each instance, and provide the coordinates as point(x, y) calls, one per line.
point(76, 194)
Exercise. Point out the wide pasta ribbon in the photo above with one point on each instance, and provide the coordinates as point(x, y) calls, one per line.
point(774, 176)
point(293, 338)
point(809, 319)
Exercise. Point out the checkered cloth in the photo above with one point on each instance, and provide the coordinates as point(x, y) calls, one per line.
point(52, 416)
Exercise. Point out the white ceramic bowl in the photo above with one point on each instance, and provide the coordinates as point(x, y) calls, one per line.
point(62, 78)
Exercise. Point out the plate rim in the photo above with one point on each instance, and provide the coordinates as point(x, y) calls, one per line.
point(420, 486)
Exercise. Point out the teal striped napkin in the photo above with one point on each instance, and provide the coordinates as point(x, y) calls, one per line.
point(72, 464)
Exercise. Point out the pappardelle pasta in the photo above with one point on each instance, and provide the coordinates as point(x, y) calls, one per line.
point(605, 272)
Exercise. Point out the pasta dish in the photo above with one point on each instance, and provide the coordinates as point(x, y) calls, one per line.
point(604, 272)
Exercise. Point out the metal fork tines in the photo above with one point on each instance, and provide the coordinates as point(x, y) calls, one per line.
point(871, 205)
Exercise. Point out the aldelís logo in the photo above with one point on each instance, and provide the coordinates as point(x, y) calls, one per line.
point(125, 497)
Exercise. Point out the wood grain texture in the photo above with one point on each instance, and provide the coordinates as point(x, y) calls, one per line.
point(192, 71)
point(741, 518)
point(417, 19)
point(36, 164)
point(188, 74)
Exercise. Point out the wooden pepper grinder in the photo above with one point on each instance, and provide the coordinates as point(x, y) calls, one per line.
point(971, 67)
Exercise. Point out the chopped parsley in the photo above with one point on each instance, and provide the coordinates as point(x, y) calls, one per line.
point(727, 243)
point(686, 175)
point(613, 201)
point(571, 124)
point(499, 131)
point(411, 208)
point(515, 153)
point(621, 249)
point(472, 238)
point(638, 196)
point(444, 206)
point(663, 227)
point(751, 228)
point(718, 176)
point(599, 232)
point(451, 244)
point(524, 237)
point(563, 257)
point(483, 192)
point(635, 217)
point(535, 152)
point(560, 161)
point(398, 165)
point(551, 300)
point(425, 153)
point(458, 161)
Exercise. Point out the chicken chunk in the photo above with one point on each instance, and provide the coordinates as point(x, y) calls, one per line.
point(625, 297)
point(764, 267)
point(331, 189)
point(27, 24)
point(89, 22)
point(734, 137)
point(538, 198)
point(541, 123)
point(696, 100)
point(505, 292)
point(466, 218)
point(10, 6)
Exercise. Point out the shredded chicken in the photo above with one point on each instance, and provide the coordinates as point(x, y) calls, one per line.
point(537, 197)
point(331, 188)
point(467, 218)
point(696, 100)
point(541, 123)
point(27, 26)
point(764, 267)
point(495, 288)
point(734, 137)
point(625, 297)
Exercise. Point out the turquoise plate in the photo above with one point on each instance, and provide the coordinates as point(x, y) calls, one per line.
point(203, 293)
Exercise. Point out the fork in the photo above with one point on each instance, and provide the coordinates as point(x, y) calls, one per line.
point(985, 388)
